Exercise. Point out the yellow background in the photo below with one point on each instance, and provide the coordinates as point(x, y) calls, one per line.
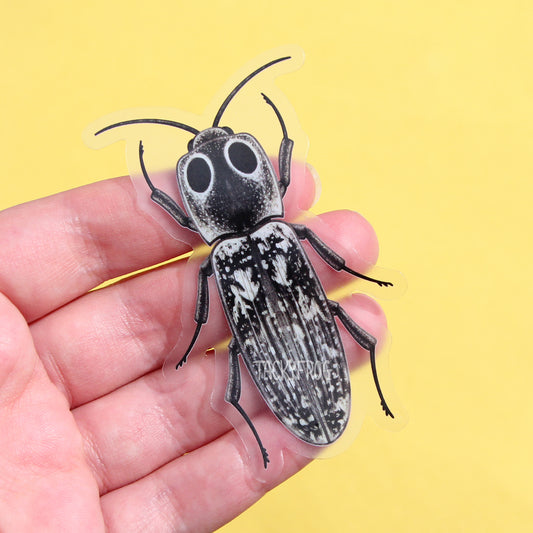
point(419, 116)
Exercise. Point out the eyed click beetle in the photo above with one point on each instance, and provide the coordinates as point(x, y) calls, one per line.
point(273, 300)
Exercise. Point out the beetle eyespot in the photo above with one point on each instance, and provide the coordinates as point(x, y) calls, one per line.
point(198, 174)
point(242, 157)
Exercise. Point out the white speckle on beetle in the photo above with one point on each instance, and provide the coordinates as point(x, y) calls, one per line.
point(280, 271)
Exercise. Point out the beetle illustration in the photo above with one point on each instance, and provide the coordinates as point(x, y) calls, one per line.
point(274, 303)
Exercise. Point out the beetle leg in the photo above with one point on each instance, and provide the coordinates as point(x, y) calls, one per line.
point(332, 258)
point(163, 199)
point(233, 394)
point(364, 339)
point(202, 305)
point(285, 151)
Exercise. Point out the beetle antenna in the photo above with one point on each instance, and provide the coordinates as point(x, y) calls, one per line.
point(278, 114)
point(185, 127)
point(241, 85)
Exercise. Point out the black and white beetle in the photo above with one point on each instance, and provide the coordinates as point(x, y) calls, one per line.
point(273, 300)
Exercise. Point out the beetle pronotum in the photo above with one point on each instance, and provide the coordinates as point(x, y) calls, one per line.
point(273, 300)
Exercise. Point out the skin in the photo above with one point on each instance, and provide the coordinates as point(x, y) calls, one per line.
point(92, 436)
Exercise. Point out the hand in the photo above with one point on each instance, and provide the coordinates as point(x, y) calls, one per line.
point(92, 436)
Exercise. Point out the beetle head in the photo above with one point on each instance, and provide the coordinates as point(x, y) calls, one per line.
point(227, 183)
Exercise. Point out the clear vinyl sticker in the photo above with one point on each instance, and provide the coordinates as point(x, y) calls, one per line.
point(297, 343)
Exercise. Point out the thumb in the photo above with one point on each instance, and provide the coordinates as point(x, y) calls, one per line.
point(49, 484)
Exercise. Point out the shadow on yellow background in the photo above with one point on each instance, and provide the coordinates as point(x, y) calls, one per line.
point(420, 117)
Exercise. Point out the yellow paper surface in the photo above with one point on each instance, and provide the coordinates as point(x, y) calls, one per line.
point(420, 117)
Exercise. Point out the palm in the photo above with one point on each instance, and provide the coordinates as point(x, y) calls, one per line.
point(91, 435)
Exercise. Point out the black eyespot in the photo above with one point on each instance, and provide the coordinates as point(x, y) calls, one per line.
point(242, 157)
point(198, 174)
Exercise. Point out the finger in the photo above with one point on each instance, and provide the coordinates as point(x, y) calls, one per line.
point(64, 245)
point(198, 492)
point(144, 425)
point(46, 484)
point(110, 337)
